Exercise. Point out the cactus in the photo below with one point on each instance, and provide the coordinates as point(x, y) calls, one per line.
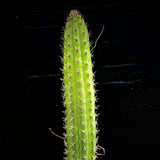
point(79, 93)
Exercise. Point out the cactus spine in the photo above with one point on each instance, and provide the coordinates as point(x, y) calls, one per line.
point(79, 92)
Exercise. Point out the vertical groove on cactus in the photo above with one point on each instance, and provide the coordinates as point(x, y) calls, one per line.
point(79, 93)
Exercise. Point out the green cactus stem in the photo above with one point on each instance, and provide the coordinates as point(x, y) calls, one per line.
point(79, 93)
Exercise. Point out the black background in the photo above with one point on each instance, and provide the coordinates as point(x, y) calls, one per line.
point(127, 76)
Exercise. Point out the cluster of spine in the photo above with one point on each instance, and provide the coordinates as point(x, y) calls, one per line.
point(79, 93)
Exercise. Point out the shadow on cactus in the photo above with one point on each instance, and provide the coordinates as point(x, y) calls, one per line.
point(80, 122)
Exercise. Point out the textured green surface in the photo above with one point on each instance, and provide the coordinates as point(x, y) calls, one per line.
point(79, 93)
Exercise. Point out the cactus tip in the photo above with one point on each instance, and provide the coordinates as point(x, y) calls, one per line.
point(74, 13)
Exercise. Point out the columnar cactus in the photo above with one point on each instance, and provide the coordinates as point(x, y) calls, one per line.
point(79, 93)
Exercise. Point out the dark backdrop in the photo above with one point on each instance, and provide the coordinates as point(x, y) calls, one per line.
point(127, 76)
